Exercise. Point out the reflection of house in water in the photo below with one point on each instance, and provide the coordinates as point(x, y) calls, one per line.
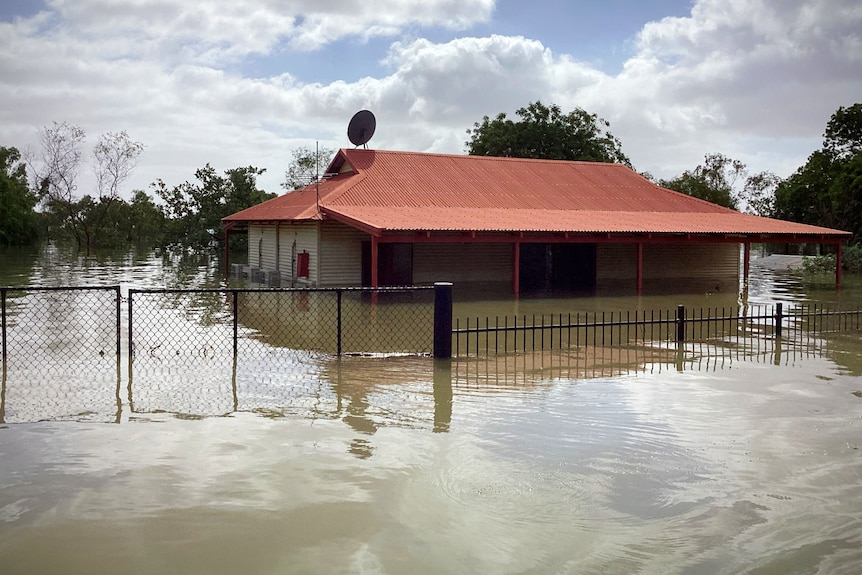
point(397, 218)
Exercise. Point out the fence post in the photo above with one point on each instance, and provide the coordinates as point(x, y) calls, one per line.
point(680, 323)
point(3, 306)
point(778, 316)
point(338, 322)
point(119, 297)
point(131, 346)
point(442, 320)
point(235, 322)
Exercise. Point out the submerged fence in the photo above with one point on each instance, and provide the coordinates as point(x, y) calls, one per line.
point(742, 327)
point(65, 326)
point(209, 322)
point(87, 352)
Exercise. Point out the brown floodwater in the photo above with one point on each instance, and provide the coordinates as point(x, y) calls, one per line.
point(702, 460)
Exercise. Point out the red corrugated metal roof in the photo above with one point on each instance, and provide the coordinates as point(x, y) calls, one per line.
point(298, 205)
point(383, 191)
point(412, 219)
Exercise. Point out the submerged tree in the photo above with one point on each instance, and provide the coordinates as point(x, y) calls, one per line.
point(57, 169)
point(18, 220)
point(545, 132)
point(194, 210)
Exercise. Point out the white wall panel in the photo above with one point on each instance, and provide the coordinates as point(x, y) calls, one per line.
point(294, 239)
point(341, 254)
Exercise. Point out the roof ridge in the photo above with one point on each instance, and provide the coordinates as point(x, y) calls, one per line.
point(477, 157)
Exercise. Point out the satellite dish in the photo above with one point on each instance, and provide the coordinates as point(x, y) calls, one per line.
point(361, 127)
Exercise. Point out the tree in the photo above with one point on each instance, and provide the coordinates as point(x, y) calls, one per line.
point(305, 167)
point(843, 135)
point(827, 190)
point(18, 220)
point(758, 194)
point(56, 177)
point(194, 211)
point(146, 220)
point(726, 182)
point(546, 133)
point(712, 181)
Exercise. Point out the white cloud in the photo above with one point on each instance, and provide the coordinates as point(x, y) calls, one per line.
point(212, 31)
point(755, 80)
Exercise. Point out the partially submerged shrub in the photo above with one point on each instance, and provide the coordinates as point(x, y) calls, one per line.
point(851, 261)
point(818, 265)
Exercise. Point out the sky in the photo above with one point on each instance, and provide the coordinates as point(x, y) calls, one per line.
point(246, 82)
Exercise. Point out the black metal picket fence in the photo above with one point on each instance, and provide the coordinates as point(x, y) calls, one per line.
point(739, 326)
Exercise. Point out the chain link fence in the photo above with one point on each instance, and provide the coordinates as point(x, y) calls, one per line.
point(196, 352)
point(217, 351)
point(64, 342)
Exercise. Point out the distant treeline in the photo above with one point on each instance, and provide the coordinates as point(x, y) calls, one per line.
point(39, 196)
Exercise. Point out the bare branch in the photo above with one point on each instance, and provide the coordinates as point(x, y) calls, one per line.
point(57, 173)
point(116, 155)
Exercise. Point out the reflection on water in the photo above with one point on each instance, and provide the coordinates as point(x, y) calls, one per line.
point(699, 459)
point(710, 469)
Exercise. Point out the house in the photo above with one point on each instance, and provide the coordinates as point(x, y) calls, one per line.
point(399, 218)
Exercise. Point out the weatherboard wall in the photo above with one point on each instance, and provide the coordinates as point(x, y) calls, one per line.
point(465, 262)
point(261, 247)
point(335, 259)
point(676, 267)
point(340, 261)
point(294, 239)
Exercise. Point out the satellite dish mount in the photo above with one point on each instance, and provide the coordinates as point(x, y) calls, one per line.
point(361, 128)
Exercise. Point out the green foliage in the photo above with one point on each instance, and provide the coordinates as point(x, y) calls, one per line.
point(824, 265)
point(194, 211)
point(726, 182)
point(18, 220)
point(851, 259)
point(818, 265)
point(85, 219)
point(120, 223)
point(306, 167)
point(146, 221)
point(546, 133)
point(843, 135)
point(827, 190)
point(696, 185)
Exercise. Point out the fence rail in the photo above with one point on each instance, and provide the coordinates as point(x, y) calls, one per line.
point(514, 334)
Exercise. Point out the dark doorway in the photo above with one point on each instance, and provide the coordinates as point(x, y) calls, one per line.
point(558, 269)
point(394, 264)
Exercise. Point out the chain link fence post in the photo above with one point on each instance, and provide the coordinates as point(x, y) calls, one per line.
point(3, 305)
point(338, 322)
point(235, 322)
point(131, 345)
point(118, 300)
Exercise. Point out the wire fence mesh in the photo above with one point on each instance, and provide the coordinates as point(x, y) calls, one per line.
point(262, 349)
point(65, 342)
